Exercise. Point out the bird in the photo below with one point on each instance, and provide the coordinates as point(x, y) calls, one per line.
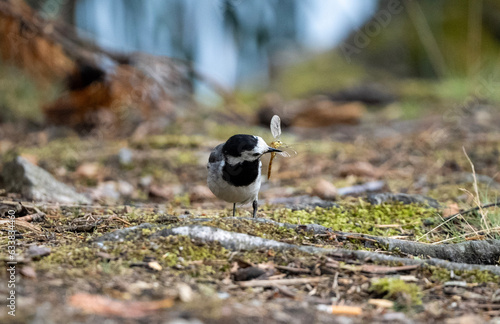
point(234, 169)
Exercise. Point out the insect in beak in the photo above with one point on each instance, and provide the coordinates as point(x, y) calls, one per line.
point(273, 150)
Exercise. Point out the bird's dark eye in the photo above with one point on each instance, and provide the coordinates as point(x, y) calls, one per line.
point(256, 154)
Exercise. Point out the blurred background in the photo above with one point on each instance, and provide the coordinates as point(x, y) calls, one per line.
point(243, 49)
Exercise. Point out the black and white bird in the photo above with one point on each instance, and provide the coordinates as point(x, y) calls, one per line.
point(234, 169)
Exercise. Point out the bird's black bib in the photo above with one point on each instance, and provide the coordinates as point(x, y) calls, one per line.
point(241, 174)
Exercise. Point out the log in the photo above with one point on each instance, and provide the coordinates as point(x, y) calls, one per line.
point(128, 87)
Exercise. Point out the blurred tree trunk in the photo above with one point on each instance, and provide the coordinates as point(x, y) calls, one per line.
point(97, 82)
point(68, 11)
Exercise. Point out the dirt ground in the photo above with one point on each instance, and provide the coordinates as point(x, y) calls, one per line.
point(70, 269)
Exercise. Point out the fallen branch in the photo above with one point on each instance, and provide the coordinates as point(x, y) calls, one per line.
point(7, 224)
point(32, 218)
point(450, 256)
point(292, 269)
point(472, 252)
point(238, 241)
point(281, 282)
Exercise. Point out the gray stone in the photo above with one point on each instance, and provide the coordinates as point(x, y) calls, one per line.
point(303, 202)
point(35, 183)
point(36, 251)
point(125, 156)
point(380, 198)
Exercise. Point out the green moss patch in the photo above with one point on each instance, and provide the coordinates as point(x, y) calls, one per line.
point(380, 220)
point(403, 293)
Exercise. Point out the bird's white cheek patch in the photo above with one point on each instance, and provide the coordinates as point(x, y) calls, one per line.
point(235, 160)
point(262, 146)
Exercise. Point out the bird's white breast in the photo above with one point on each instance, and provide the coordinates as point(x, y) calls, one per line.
point(225, 191)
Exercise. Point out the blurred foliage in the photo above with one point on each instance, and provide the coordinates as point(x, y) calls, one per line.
point(430, 38)
point(21, 97)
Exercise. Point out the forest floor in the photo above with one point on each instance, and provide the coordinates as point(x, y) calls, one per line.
point(147, 249)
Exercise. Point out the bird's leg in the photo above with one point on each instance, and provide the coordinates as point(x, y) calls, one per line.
point(254, 204)
point(234, 209)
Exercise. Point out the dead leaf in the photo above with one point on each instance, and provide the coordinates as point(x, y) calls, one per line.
point(101, 305)
point(451, 210)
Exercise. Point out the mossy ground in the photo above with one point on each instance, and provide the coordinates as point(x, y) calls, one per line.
point(405, 294)
point(419, 157)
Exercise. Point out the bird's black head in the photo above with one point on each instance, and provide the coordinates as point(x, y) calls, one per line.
point(237, 144)
point(240, 148)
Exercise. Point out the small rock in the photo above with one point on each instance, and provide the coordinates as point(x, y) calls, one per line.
point(223, 295)
point(362, 188)
point(122, 235)
point(200, 193)
point(125, 156)
point(396, 317)
point(303, 202)
point(164, 192)
point(154, 265)
point(125, 188)
point(462, 284)
point(106, 191)
point(37, 184)
point(496, 296)
point(28, 272)
point(138, 287)
point(145, 181)
point(380, 198)
point(88, 170)
point(359, 169)
point(36, 252)
point(325, 190)
point(249, 273)
point(185, 292)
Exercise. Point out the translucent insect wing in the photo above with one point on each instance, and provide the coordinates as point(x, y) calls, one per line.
point(276, 126)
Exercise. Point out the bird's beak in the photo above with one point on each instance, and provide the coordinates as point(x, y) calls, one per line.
point(271, 149)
